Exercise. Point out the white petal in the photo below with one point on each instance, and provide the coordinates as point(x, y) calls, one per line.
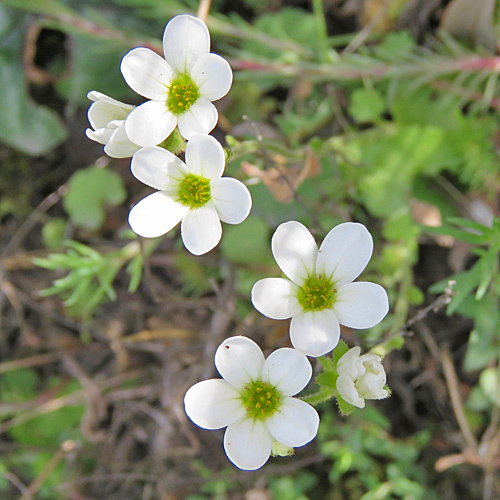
point(185, 39)
point(276, 298)
point(232, 200)
point(101, 135)
point(371, 386)
point(239, 360)
point(158, 168)
point(295, 250)
point(155, 215)
point(315, 333)
point(150, 123)
point(213, 76)
point(101, 113)
point(294, 424)
point(119, 145)
point(345, 252)
point(147, 73)
point(97, 96)
point(348, 392)
point(248, 444)
point(351, 364)
point(288, 370)
point(201, 229)
point(361, 304)
point(205, 156)
point(200, 118)
point(213, 404)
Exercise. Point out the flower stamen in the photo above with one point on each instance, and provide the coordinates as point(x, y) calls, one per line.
point(194, 191)
point(182, 94)
point(317, 293)
point(260, 399)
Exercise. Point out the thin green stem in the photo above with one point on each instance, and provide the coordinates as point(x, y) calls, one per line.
point(319, 15)
point(322, 396)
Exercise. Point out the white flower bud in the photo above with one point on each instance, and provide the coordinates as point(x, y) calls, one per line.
point(107, 118)
point(360, 377)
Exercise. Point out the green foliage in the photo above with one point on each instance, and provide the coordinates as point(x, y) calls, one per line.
point(371, 463)
point(293, 487)
point(18, 385)
point(89, 191)
point(389, 123)
point(366, 105)
point(25, 126)
point(91, 274)
point(476, 290)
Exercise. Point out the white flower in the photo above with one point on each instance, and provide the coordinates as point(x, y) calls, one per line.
point(319, 295)
point(180, 87)
point(254, 401)
point(107, 118)
point(193, 192)
point(360, 377)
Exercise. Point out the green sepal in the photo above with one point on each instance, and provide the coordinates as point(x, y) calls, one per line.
point(327, 379)
point(339, 351)
point(174, 143)
point(345, 407)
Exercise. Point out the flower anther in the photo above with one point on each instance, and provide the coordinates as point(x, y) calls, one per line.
point(254, 400)
point(182, 94)
point(318, 292)
point(261, 399)
point(193, 192)
point(180, 86)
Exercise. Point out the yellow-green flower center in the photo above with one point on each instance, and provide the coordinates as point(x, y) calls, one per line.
point(261, 399)
point(194, 191)
point(182, 94)
point(317, 293)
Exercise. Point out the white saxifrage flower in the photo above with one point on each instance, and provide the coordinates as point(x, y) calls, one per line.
point(107, 118)
point(360, 377)
point(194, 192)
point(319, 294)
point(180, 87)
point(254, 401)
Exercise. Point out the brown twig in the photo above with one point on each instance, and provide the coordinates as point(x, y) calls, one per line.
point(456, 401)
point(47, 470)
point(33, 218)
point(204, 9)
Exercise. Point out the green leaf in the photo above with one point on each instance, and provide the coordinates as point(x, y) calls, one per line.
point(367, 105)
point(18, 385)
point(247, 243)
point(25, 126)
point(53, 233)
point(89, 191)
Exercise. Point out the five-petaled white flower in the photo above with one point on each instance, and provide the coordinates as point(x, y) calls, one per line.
point(193, 192)
point(319, 294)
point(107, 118)
point(360, 377)
point(180, 87)
point(254, 401)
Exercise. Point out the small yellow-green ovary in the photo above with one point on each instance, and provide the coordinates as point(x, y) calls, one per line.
point(317, 293)
point(182, 94)
point(194, 191)
point(260, 399)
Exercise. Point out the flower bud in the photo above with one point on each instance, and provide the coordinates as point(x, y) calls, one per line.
point(107, 118)
point(360, 377)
